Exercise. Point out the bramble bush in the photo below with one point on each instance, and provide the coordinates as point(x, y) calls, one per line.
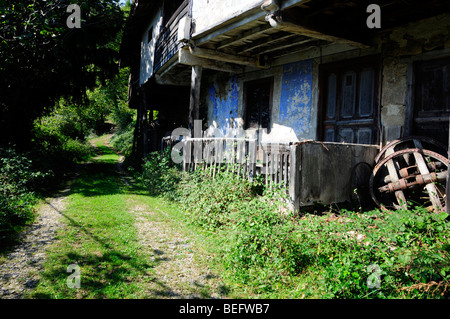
point(209, 201)
point(18, 183)
point(123, 140)
point(159, 174)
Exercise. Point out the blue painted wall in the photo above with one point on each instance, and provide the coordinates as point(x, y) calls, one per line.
point(295, 104)
point(296, 96)
point(225, 104)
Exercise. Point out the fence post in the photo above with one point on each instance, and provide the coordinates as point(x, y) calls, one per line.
point(252, 159)
point(294, 177)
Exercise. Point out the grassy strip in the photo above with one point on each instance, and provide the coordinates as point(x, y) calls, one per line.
point(100, 238)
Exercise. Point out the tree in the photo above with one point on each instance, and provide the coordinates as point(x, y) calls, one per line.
point(43, 60)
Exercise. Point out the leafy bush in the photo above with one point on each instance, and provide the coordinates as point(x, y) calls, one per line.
point(406, 252)
point(56, 151)
point(210, 201)
point(159, 174)
point(261, 246)
point(123, 140)
point(18, 181)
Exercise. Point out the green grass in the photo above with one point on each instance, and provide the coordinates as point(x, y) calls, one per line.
point(258, 252)
point(100, 238)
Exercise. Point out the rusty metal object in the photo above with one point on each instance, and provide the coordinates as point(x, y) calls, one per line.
point(413, 181)
point(413, 174)
point(410, 142)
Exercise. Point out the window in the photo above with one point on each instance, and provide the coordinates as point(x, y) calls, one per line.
point(432, 99)
point(258, 103)
point(349, 101)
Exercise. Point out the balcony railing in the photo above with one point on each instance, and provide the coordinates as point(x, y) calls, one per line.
point(167, 44)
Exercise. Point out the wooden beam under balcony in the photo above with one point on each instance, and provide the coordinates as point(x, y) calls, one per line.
point(225, 57)
point(185, 57)
point(301, 30)
point(244, 35)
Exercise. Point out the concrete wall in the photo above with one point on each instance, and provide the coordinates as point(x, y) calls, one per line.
point(209, 13)
point(148, 48)
point(294, 112)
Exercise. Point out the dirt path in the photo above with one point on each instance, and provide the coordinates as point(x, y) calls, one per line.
point(19, 270)
point(181, 267)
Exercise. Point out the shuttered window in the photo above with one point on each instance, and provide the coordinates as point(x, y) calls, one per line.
point(258, 102)
point(349, 101)
point(432, 99)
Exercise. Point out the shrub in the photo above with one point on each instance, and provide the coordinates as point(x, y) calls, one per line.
point(123, 140)
point(159, 174)
point(18, 182)
point(55, 151)
point(261, 246)
point(209, 201)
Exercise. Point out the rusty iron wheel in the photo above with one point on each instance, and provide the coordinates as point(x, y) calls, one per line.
point(408, 142)
point(387, 191)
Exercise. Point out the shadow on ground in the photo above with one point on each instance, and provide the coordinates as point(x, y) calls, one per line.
point(111, 267)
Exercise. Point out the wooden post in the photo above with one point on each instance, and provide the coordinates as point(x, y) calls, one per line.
point(252, 149)
point(295, 176)
point(430, 187)
point(194, 102)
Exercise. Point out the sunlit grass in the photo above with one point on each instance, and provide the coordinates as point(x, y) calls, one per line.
point(99, 237)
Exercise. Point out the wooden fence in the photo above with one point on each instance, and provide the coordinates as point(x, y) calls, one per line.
point(309, 171)
point(240, 155)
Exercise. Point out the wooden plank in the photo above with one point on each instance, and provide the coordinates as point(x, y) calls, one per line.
point(225, 57)
point(392, 169)
point(287, 172)
point(194, 101)
point(295, 176)
point(215, 159)
point(309, 32)
point(252, 159)
point(244, 35)
point(430, 187)
point(266, 41)
point(279, 47)
point(186, 58)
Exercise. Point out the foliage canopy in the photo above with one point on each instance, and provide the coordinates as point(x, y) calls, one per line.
point(42, 60)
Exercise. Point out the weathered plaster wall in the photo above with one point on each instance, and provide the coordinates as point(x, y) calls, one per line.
point(148, 48)
point(293, 106)
point(393, 101)
point(400, 48)
point(296, 97)
point(223, 101)
point(208, 13)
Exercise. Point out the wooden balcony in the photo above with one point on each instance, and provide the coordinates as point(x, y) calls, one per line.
point(167, 44)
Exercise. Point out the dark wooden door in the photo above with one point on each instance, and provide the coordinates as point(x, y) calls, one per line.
point(432, 99)
point(258, 102)
point(349, 101)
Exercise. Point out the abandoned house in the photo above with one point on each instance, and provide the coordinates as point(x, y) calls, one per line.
point(333, 82)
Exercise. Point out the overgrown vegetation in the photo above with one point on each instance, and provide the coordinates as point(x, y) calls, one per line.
point(333, 254)
point(18, 183)
point(48, 113)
